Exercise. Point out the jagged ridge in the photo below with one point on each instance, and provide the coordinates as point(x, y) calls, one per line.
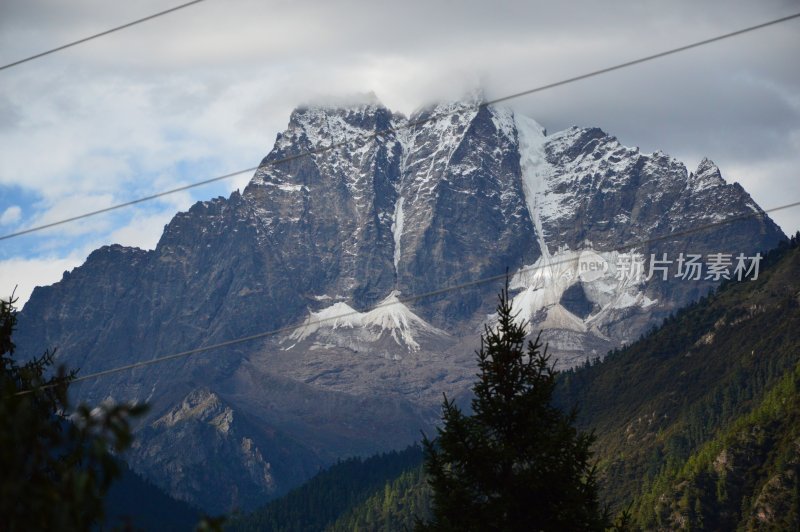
point(437, 204)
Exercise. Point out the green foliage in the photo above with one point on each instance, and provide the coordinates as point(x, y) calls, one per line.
point(331, 493)
point(655, 401)
point(55, 471)
point(658, 403)
point(397, 506)
point(516, 463)
point(747, 476)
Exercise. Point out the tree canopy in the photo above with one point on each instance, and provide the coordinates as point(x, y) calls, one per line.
point(516, 462)
point(56, 463)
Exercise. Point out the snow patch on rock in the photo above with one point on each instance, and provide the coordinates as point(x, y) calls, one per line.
point(393, 316)
point(337, 316)
point(543, 283)
point(397, 230)
point(390, 317)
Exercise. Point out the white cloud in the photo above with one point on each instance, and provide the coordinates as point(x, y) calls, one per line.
point(204, 91)
point(145, 227)
point(11, 215)
point(20, 276)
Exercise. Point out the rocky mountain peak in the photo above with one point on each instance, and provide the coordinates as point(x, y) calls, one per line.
point(202, 405)
point(323, 126)
point(365, 101)
point(707, 175)
point(325, 240)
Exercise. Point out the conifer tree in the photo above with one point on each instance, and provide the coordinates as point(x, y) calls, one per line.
point(517, 462)
point(54, 470)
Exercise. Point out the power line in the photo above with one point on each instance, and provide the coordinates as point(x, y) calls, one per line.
point(422, 121)
point(101, 34)
point(128, 203)
point(650, 57)
point(440, 291)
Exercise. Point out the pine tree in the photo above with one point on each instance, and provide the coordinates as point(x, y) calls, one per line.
point(517, 462)
point(54, 470)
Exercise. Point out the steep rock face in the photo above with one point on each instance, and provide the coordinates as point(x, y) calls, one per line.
point(330, 214)
point(593, 200)
point(464, 211)
point(207, 427)
point(355, 207)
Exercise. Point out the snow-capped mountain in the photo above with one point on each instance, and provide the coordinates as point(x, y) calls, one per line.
point(352, 207)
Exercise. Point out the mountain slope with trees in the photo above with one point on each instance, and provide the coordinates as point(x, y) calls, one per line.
point(703, 408)
point(747, 477)
point(455, 193)
point(135, 502)
point(396, 507)
point(315, 505)
point(658, 401)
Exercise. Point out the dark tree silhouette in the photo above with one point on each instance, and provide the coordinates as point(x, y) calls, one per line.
point(54, 470)
point(517, 462)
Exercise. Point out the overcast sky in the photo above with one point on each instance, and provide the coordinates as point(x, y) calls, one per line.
point(205, 90)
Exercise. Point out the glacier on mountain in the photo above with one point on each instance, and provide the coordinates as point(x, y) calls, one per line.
point(544, 283)
point(391, 317)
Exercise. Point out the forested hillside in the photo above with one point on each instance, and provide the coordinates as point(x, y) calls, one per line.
point(135, 502)
point(394, 508)
point(697, 422)
point(747, 477)
point(315, 505)
point(663, 398)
